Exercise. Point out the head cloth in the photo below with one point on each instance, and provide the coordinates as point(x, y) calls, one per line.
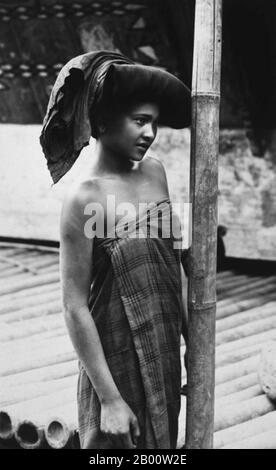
point(79, 88)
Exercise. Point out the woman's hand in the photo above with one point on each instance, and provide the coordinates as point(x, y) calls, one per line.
point(119, 424)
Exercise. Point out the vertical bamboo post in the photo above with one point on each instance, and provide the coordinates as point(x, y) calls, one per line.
point(203, 195)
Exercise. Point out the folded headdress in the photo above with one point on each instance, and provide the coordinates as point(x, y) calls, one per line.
point(80, 88)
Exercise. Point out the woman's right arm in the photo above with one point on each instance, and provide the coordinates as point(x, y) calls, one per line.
point(117, 419)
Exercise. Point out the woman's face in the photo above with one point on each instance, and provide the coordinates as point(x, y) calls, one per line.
point(129, 134)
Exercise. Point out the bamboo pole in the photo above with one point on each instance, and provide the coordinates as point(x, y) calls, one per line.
point(58, 433)
point(230, 415)
point(31, 301)
point(14, 260)
point(59, 353)
point(7, 428)
point(228, 280)
point(249, 295)
point(11, 278)
point(36, 311)
point(8, 271)
point(60, 428)
point(258, 295)
point(56, 426)
point(225, 311)
point(29, 436)
point(29, 292)
point(250, 286)
point(25, 328)
point(250, 392)
point(49, 269)
point(40, 264)
point(52, 372)
point(30, 432)
point(16, 346)
point(17, 262)
point(255, 313)
point(245, 430)
point(13, 250)
point(239, 282)
point(27, 246)
point(37, 409)
point(22, 271)
point(252, 340)
point(38, 280)
point(235, 356)
point(225, 275)
point(252, 327)
point(202, 262)
point(19, 393)
point(264, 440)
point(25, 255)
point(257, 284)
point(236, 385)
point(239, 369)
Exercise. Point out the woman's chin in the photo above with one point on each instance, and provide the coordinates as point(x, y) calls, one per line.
point(138, 156)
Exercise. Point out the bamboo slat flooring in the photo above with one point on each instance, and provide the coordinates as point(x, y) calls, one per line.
point(39, 368)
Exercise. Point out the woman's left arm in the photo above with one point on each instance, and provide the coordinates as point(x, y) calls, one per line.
point(161, 172)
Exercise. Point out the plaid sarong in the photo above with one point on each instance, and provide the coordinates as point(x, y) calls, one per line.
point(136, 303)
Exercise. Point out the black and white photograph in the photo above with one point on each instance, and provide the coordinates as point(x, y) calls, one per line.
point(137, 228)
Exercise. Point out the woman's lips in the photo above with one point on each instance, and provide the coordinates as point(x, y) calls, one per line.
point(142, 147)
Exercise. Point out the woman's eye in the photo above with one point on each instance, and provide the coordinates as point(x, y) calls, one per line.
point(140, 121)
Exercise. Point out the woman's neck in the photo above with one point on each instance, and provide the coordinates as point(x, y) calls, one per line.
point(105, 161)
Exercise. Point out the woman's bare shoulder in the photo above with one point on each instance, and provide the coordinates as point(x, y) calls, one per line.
point(155, 168)
point(152, 162)
point(83, 192)
point(76, 200)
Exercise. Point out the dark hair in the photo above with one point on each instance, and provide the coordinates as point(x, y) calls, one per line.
point(112, 106)
point(102, 114)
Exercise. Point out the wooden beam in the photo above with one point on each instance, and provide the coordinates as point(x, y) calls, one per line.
point(203, 196)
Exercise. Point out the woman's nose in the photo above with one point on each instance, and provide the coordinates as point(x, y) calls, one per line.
point(149, 131)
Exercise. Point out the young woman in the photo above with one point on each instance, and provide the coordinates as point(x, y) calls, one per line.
point(120, 273)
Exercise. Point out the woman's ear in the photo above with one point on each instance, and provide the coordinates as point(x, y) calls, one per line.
point(101, 124)
point(102, 128)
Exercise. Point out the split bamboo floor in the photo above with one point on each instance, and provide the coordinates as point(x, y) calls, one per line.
point(38, 366)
